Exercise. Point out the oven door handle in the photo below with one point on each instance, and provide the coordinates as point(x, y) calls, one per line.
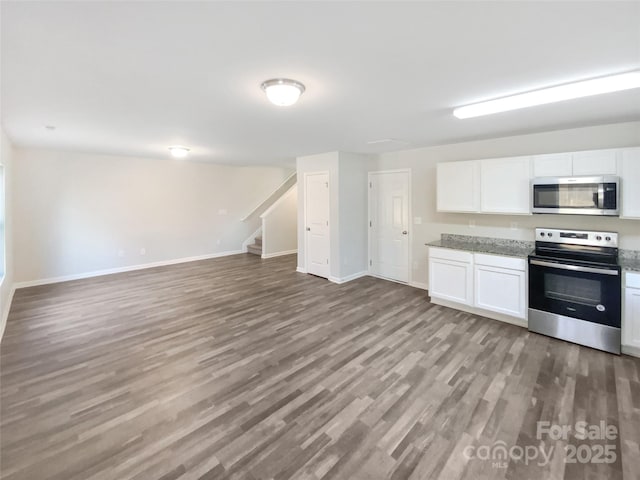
point(574, 268)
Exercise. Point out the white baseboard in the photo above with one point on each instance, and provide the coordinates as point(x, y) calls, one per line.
point(420, 285)
point(279, 254)
point(348, 278)
point(110, 271)
point(387, 279)
point(484, 313)
point(630, 350)
point(301, 270)
point(5, 312)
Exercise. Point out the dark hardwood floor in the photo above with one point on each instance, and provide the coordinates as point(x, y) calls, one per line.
point(241, 368)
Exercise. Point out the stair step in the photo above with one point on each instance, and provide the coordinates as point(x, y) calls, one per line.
point(258, 241)
point(255, 249)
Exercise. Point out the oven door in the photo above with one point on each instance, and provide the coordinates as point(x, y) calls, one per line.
point(586, 292)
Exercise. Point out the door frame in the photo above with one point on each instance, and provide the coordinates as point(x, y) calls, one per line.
point(370, 175)
point(304, 226)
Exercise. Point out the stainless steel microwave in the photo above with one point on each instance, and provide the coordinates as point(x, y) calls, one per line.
point(576, 195)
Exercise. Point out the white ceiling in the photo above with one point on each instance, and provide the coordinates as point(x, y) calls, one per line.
point(134, 77)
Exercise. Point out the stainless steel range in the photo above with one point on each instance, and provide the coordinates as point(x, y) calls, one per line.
point(575, 287)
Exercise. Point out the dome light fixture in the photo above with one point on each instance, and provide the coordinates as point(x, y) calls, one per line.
point(178, 151)
point(283, 91)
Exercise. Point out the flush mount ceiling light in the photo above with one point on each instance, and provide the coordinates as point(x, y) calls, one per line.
point(178, 151)
point(586, 88)
point(282, 91)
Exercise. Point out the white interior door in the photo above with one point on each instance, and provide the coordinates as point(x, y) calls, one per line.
point(316, 191)
point(389, 225)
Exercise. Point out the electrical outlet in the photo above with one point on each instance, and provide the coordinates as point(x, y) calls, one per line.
point(417, 220)
point(121, 252)
point(472, 224)
point(143, 251)
point(514, 225)
point(222, 211)
point(218, 242)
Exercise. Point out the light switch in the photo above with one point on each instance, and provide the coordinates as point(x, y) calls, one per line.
point(222, 211)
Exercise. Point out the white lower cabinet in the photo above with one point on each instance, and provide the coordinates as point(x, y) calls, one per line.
point(501, 285)
point(631, 318)
point(451, 275)
point(489, 282)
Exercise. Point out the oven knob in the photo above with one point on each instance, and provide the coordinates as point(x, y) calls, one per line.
point(598, 238)
point(542, 234)
point(608, 239)
point(549, 234)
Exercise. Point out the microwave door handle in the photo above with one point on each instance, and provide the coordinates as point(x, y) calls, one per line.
point(600, 203)
point(574, 268)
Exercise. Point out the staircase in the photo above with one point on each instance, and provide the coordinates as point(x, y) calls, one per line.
point(256, 247)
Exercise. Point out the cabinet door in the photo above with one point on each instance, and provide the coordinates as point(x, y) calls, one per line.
point(596, 162)
point(505, 185)
point(630, 188)
point(553, 165)
point(451, 280)
point(501, 290)
point(631, 320)
point(458, 187)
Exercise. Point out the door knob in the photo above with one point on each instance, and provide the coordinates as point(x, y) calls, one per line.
point(308, 229)
point(404, 232)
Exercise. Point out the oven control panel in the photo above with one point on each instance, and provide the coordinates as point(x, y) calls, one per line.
point(577, 237)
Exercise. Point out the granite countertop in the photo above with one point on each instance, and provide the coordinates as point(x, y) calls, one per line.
point(493, 246)
point(629, 260)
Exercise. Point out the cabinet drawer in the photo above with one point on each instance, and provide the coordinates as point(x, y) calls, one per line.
point(632, 280)
point(448, 254)
point(498, 261)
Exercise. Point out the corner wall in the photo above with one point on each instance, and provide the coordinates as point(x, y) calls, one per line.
point(347, 211)
point(78, 214)
point(7, 285)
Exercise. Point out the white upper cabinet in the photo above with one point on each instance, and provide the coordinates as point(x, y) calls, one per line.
point(597, 162)
point(458, 187)
point(553, 165)
point(593, 162)
point(505, 185)
point(630, 188)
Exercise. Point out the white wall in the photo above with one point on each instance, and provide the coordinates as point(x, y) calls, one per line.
point(423, 162)
point(353, 193)
point(280, 225)
point(6, 285)
point(74, 212)
point(347, 210)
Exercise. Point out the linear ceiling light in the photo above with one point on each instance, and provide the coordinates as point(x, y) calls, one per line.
point(586, 88)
